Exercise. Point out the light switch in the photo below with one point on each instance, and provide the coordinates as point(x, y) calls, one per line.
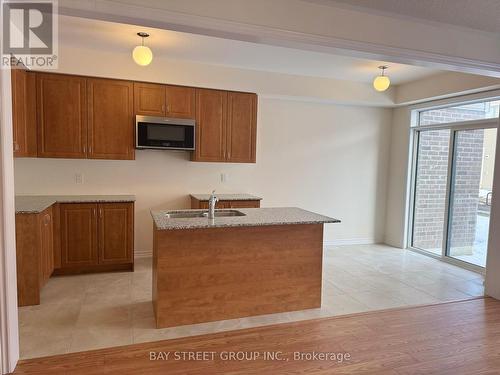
point(78, 178)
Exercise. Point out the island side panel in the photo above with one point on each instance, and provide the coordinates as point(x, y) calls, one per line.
point(210, 274)
point(155, 266)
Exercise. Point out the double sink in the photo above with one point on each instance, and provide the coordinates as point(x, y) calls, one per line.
point(198, 214)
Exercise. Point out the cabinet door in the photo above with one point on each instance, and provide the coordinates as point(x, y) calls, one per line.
point(47, 249)
point(210, 125)
point(78, 234)
point(23, 113)
point(180, 101)
point(116, 233)
point(149, 99)
point(241, 127)
point(62, 116)
point(110, 119)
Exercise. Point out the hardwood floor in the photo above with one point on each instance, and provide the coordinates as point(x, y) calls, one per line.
point(452, 338)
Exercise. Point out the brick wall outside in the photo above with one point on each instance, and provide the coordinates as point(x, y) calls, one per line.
point(431, 181)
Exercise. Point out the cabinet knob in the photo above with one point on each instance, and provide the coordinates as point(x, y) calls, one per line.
point(16, 146)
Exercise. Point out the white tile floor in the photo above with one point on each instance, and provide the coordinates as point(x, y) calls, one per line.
point(94, 311)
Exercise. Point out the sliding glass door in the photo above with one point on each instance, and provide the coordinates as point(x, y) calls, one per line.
point(454, 159)
point(471, 195)
point(431, 190)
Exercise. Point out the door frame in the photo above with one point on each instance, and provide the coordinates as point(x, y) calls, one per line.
point(414, 143)
point(9, 329)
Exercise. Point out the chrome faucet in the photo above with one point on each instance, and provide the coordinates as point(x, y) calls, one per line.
point(212, 201)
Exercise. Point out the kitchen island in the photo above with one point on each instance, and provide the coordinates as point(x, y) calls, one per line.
point(248, 262)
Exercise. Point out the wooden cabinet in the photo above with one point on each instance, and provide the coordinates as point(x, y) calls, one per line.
point(116, 236)
point(66, 116)
point(244, 204)
point(225, 126)
point(96, 237)
point(61, 116)
point(110, 119)
point(47, 246)
point(71, 238)
point(210, 125)
point(152, 99)
point(149, 99)
point(197, 204)
point(24, 113)
point(241, 128)
point(78, 234)
point(34, 254)
point(180, 101)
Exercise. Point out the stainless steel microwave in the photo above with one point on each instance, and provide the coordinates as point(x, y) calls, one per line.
point(164, 133)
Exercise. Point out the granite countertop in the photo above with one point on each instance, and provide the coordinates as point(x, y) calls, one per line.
point(227, 197)
point(253, 217)
point(38, 203)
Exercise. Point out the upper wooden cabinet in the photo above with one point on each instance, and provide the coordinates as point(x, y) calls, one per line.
point(149, 99)
point(241, 127)
point(210, 125)
point(110, 119)
point(65, 116)
point(62, 116)
point(180, 101)
point(225, 126)
point(24, 113)
point(152, 99)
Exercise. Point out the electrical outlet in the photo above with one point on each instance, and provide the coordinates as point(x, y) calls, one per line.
point(78, 178)
point(223, 177)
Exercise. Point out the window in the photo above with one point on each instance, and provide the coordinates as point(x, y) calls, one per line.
point(466, 112)
point(452, 180)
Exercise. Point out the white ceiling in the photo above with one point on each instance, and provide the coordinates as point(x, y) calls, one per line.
point(204, 49)
point(475, 14)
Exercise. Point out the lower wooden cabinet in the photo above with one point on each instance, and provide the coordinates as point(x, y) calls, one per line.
point(78, 235)
point(34, 253)
point(69, 238)
point(96, 237)
point(197, 204)
point(116, 233)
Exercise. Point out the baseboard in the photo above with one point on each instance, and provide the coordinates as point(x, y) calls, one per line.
point(350, 241)
point(143, 253)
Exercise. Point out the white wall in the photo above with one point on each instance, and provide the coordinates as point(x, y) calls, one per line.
point(325, 158)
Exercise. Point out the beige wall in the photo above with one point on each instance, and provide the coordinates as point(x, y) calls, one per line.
point(443, 85)
point(397, 183)
point(328, 159)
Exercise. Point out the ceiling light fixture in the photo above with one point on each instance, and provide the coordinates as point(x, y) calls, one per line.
point(142, 55)
point(381, 82)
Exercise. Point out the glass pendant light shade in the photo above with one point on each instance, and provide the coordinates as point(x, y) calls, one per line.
point(381, 82)
point(142, 55)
